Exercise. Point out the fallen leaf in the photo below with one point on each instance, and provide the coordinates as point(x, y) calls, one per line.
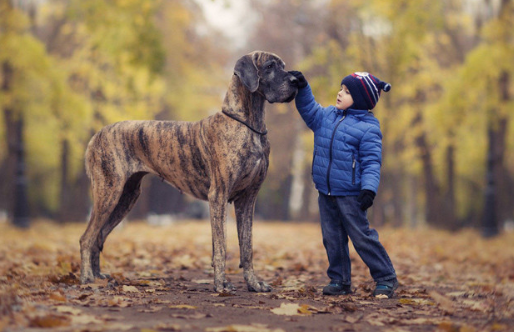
point(304, 309)
point(168, 327)
point(415, 302)
point(68, 310)
point(243, 328)
point(444, 303)
point(49, 321)
point(117, 327)
point(57, 297)
point(85, 319)
point(202, 281)
point(287, 309)
point(182, 306)
point(197, 315)
point(129, 289)
point(353, 319)
point(151, 309)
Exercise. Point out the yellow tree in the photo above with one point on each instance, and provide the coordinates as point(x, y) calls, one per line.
point(33, 85)
point(485, 81)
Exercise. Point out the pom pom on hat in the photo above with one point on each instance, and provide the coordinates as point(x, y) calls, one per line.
point(365, 89)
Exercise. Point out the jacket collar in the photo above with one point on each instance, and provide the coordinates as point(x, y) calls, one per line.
point(351, 111)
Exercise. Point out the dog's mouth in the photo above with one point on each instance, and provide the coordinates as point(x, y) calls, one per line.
point(291, 97)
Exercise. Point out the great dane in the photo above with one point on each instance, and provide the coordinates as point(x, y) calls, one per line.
point(223, 158)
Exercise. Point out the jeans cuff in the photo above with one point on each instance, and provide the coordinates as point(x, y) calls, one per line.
point(389, 277)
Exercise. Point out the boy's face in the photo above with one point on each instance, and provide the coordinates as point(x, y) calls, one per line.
point(344, 98)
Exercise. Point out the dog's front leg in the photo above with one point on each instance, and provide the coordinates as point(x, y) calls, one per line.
point(218, 211)
point(244, 208)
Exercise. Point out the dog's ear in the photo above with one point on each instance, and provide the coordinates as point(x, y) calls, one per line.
point(246, 70)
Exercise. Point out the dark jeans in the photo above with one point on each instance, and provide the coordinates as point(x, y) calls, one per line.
point(341, 217)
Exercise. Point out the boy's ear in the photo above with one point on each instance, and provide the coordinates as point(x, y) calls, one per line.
point(246, 70)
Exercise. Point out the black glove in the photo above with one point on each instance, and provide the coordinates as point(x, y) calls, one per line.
point(366, 198)
point(302, 82)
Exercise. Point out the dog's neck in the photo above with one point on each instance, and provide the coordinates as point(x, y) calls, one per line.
point(239, 102)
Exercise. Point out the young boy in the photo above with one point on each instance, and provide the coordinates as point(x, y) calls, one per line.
point(346, 172)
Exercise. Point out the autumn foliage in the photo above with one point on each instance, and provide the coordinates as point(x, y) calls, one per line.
point(161, 280)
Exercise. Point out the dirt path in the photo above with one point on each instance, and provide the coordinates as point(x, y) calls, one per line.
point(162, 281)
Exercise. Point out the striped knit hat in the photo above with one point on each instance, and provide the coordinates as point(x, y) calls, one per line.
point(365, 89)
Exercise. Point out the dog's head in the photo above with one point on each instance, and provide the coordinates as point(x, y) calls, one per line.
point(264, 73)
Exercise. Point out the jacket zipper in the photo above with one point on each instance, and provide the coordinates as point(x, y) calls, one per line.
point(330, 153)
point(353, 169)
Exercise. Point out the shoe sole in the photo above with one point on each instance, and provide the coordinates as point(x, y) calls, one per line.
point(395, 287)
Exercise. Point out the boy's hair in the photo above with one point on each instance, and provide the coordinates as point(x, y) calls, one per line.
point(365, 89)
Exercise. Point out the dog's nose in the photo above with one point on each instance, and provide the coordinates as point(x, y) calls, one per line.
point(293, 80)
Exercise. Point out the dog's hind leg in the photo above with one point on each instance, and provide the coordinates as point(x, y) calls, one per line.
point(244, 208)
point(106, 193)
point(129, 196)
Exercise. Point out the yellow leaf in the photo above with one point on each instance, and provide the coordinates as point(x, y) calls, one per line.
point(287, 309)
point(130, 289)
point(444, 303)
point(243, 328)
point(68, 310)
point(49, 321)
point(304, 310)
point(181, 306)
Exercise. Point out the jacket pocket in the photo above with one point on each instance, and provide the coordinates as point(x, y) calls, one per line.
point(354, 165)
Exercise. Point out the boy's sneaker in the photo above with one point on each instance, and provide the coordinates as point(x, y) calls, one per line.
point(386, 287)
point(335, 287)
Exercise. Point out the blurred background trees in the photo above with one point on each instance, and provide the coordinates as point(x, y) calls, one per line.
point(69, 67)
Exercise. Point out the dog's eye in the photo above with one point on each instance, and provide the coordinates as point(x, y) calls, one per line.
point(270, 66)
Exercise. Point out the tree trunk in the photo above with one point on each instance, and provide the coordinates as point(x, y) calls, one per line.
point(449, 207)
point(502, 175)
point(21, 204)
point(489, 219)
point(497, 206)
point(65, 191)
point(15, 187)
point(9, 163)
point(432, 207)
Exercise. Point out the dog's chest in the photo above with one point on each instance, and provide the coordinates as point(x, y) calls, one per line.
point(252, 163)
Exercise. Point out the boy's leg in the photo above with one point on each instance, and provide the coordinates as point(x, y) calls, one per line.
point(335, 240)
point(365, 239)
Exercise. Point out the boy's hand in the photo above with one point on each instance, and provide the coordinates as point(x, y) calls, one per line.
point(366, 198)
point(302, 82)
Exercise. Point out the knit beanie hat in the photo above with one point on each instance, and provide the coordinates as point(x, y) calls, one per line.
point(365, 89)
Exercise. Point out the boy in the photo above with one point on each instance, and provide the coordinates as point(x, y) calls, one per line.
point(346, 172)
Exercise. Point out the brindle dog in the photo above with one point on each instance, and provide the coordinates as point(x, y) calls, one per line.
point(222, 158)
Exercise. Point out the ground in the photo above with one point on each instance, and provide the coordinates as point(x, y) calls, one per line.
point(161, 280)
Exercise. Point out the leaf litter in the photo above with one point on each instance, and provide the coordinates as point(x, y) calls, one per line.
point(161, 280)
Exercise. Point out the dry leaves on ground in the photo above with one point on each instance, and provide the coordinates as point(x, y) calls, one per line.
point(161, 280)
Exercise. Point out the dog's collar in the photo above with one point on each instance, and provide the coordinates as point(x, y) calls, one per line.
point(262, 133)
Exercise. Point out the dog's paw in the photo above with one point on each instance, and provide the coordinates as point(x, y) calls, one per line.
point(87, 279)
point(227, 285)
point(102, 275)
point(259, 287)
point(226, 288)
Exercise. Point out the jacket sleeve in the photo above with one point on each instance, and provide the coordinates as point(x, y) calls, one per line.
point(308, 108)
point(370, 153)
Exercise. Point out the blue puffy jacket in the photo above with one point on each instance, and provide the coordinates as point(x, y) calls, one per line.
point(347, 147)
